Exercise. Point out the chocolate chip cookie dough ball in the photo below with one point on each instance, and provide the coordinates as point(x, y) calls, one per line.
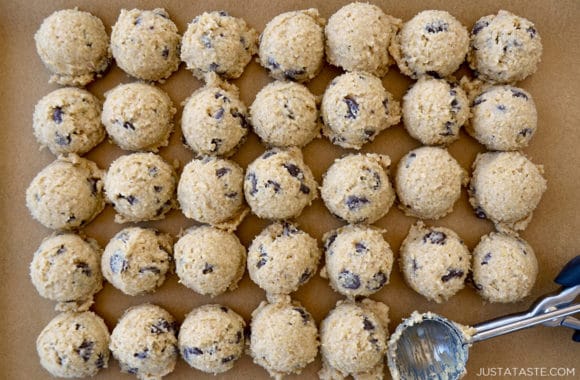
point(431, 43)
point(356, 108)
point(214, 120)
point(74, 345)
point(292, 45)
point(66, 268)
point(434, 110)
point(503, 118)
point(504, 48)
point(282, 258)
point(428, 182)
point(74, 47)
point(145, 342)
point(285, 114)
point(220, 43)
point(504, 268)
point(67, 194)
point(358, 260)
point(209, 261)
point(136, 260)
point(145, 44)
point(356, 188)
point(211, 338)
point(138, 116)
point(358, 36)
point(284, 338)
point(141, 186)
point(68, 120)
point(278, 184)
point(434, 261)
point(506, 187)
point(353, 340)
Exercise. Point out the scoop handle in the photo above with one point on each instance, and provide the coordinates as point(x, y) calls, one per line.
point(570, 276)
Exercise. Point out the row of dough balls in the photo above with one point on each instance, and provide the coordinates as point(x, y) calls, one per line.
point(146, 44)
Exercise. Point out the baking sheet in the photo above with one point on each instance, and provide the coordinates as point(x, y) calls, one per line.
point(553, 232)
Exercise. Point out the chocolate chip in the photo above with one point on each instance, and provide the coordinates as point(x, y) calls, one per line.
point(275, 185)
point(360, 247)
point(223, 13)
point(231, 194)
point(386, 105)
point(376, 178)
point(329, 240)
point(518, 94)
point(368, 134)
point(62, 140)
point(123, 236)
point(289, 229)
point(304, 189)
point(486, 258)
point(93, 184)
point(303, 314)
point(224, 309)
point(294, 170)
point(137, 21)
point(409, 159)
point(239, 336)
point(269, 153)
point(415, 266)
point(129, 198)
point(142, 354)
point(71, 219)
point(216, 144)
point(378, 281)
point(100, 362)
point(448, 129)
point(263, 257)
point(353, 107)
point(188, 352)
point(85, 350)
point(367, 324)
point(293, 74)
point(479, 25)
point(206, 41)
point(433, 73)
point(128, 125)
point(480, 99)
point(305, 276)
point(455, 107)
point(151, 269)
point(57, 115)
point(501, 107)
point(118, 263)
point(228, 359)
point(165, 52)
point(437, 27)
point(480, 213)
point(435, 237)
point(132, 370)
point(161, 326)
point(208, 268)
point(272, 64)
point(532, 31)
point(157, 189)
point(62, 249)
point(213, 66)
point(348, 280)
point(452, 273)
point(222, 172)
point(525, 132)
point(251, 177)
point(219, 114)
point(354, 202)
point(85, 268)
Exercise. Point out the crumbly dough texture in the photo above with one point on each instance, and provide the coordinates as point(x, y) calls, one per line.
point(214, 120)
point(74, 47)
point(506, 187)
point(356, 188)
point(434, 110)
point(285, 114)
point(353, 340)
point(210, 191)
point(504, 48)
point(141, 186)
point(138, 116)
point(356, 108)
point(66, 269)
point(67, 194)
point(145, 342)
point(68, 120)
point(136, 260)
point(504, 268)
point(74, 345)
point(431, 43)
point(434, 261)
point(220, 43)
point(209, 260)
point(282, 258)
point(279, 185)
point(358, 260)
point(428, 182)
point(211, 338)
point(146, 44)
point(358, 36)
point(284, 337)
point(292, 45)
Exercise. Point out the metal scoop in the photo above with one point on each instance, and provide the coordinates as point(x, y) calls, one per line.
point(429, 346)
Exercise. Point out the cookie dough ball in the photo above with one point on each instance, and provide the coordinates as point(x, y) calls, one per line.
point(145, 44)
point(74, 47)
point(503, 118)
point(506, 187)
point(504, 48)
point(429, 182)
point(214, 120)
point(358, 36)
point(434, 110)
point(284, 337)
point(74, 345)
point(220, 43)
point(431, 43)
point(209, 261)
point(68, 120)
point(141, 186)
point(353, 340)
point(137, 259)
point(211, 338)
point(210, 191)
point(278, 184)
point(356, 188)
point(67, 194)
point(434, 261)
point(145, 342)
point(138, 116)
point(284, 114)
point(356, 108)
point(504, 268)
point(292, 45)
point(66, 268)
point(282, 258)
